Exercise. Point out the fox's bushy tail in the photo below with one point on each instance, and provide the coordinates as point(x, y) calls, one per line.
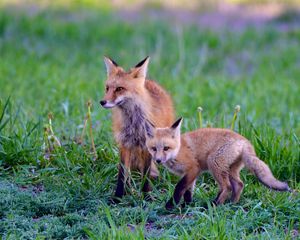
point(262, 171)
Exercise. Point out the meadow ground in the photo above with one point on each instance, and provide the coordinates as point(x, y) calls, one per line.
point(51, 61)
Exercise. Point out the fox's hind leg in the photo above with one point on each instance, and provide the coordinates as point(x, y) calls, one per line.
point(220, 171)
point(225, 187)
point(235, 181)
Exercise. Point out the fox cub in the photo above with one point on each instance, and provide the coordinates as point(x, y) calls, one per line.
point(222, 152)
point(133, 99)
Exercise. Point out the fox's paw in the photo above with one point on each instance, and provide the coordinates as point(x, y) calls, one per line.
point(170, 205)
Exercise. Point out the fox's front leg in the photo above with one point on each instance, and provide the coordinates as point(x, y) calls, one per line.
point(124, 168)
point(188, 195)
point(182, 186)
point(146, 174)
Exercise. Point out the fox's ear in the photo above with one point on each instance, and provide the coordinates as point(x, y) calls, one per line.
point(149, 128)
point(140, 70)
point(111, 65)
point(176, 127)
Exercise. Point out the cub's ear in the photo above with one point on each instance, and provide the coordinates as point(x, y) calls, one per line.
point(176, 127)
point(149, 128)
point(111, 65)
point(140, 70)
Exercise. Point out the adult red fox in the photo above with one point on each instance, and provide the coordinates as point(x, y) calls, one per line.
point(133, 99)
point(222, 152)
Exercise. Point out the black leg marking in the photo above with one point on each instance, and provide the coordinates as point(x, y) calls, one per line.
point(188, 196)
point(120, 190)
point(179, 190)
point(147, 185)
point(170, 204)
point(215, 201)
point(123, 172)
point(147, 189)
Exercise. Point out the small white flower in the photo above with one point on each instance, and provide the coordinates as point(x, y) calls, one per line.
point(44, 146)
point(54, 140)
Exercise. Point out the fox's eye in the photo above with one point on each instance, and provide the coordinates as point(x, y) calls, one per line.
point(118, 89)
point(153, 149)
point(166, 148)
point(107, 88)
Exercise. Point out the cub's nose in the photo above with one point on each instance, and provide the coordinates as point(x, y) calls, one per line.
point(158, 160)
point(103, 102)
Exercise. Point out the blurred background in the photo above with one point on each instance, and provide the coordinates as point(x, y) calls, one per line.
point(214, 54)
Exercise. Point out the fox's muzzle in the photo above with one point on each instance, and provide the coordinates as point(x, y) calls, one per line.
point(110, 104)
point(107, 104)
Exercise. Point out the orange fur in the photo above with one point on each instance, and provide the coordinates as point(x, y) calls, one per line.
point(133, 100)
point(222, 152)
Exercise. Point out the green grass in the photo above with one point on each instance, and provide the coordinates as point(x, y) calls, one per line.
point(51, 61)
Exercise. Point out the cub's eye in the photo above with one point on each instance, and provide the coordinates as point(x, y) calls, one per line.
point(118, 89)
point(154, 149)
point(166, 148)
point(107, 88)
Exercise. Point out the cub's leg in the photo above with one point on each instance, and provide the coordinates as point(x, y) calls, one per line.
point(184, 184)
point(235, 181)
point(224, 186)
point(188, 195)
point(220, 170)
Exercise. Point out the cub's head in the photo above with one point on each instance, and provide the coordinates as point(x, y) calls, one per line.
point(163, 143)
point(122, 86)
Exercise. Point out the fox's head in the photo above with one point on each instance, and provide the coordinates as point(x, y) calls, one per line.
point(163, 143)
point(122, 86)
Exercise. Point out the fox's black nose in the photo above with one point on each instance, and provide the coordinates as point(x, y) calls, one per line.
point(158, 160)
point(102, 102)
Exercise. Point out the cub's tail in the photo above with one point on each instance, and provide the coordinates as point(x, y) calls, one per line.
point(263, 172)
